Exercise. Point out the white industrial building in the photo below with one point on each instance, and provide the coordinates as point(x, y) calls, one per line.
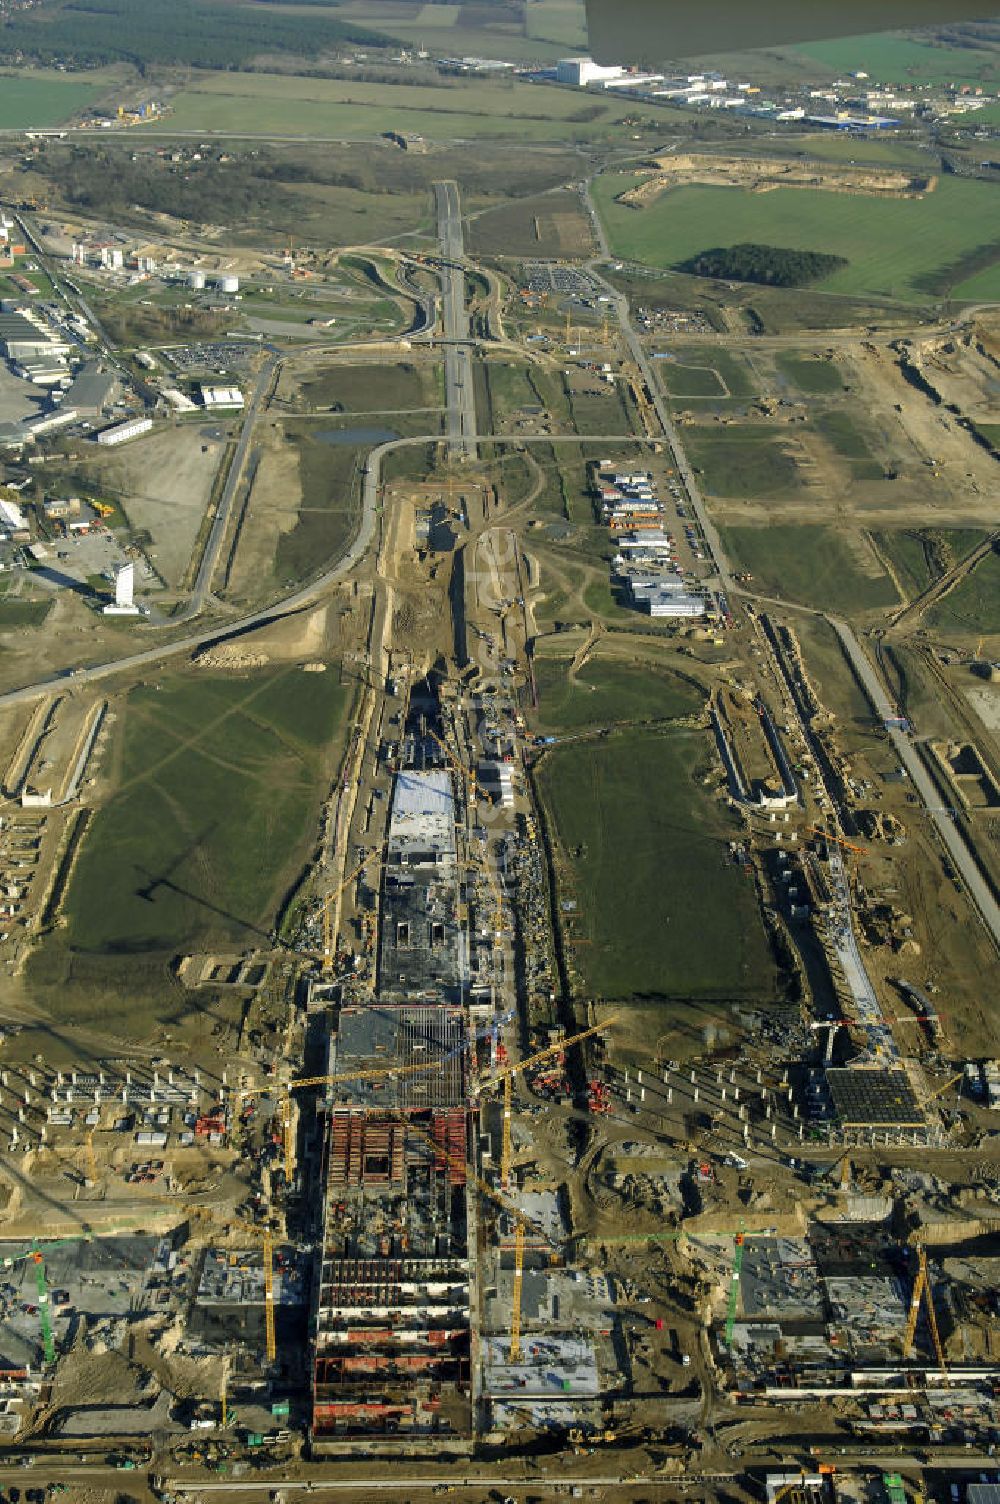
point(222, 396)
point(582, 71)
point(661, 599)
point(119, 433)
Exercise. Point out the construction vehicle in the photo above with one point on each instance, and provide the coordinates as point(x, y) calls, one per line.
point(922, 1292)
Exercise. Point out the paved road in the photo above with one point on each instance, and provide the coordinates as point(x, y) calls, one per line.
point(922, 782)
point(308, 595)
point(210, 556)
point(459, 396)
point(638, 353)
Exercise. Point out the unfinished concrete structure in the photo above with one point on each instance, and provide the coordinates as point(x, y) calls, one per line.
point(393, 1314)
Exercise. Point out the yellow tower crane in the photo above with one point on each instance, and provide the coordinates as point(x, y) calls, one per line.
point(922, 1291)
point(521, 1224)
point(328, 902)
point(466, 774)
point(515, 1306)
point(270, 1338)
point(504, 1077)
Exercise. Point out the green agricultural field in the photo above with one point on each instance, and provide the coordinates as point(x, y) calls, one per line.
point(605, 691)
point(218, 781)
point(643, 852)
point(890, 244)
point(890, 58)
point(974, 604)
point(815, 566)
point(28, 101)
point(258, 102)
point(742, 460)
point(814, 376)
point(561, 21)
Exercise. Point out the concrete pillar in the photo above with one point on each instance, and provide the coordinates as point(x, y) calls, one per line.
point(774, 1132)
point(732, 1076)
point(743, 1114)
point(795, 1110)
point(20, 1114)
point(642, 1094)
point(41, 1134)
point(802, 1133)
point(638, 1077)
point(59, 1078)
point(628, 1094)
point(666, 1077)
point(27, 1094)
point(736, 1094)
point(73, 1078)
point(695, 1094)
point(5, 1074)
point(760, 1075)
point(33, 1078)
point(125, 1096)
point(694, 1077)
point(723, 1095)
point(670, 1094)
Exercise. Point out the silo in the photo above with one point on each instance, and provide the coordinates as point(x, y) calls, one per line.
point(196, 280)
point(229, 284)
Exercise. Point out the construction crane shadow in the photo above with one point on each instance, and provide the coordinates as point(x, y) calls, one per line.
point(149, 888)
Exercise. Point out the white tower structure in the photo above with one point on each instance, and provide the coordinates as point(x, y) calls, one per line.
point(124, 602)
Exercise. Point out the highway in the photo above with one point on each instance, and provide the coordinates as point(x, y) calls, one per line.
point(460, 399)
point(909, 755)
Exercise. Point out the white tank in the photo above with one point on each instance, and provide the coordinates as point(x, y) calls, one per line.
point(196, 280)
point(229, 284)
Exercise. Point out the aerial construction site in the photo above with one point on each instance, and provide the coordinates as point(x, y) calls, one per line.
point(577, 1071)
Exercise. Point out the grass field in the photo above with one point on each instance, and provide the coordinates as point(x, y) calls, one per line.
point(258, 103)
point(330, 477)
point(27, 101)
point(920, 556)
point(848, 438)
point(18, 613)
point(548, 224)
point(890, 58)
point(812, 376)
point(561, 21)
point(375, 388)
point(742, 460)
point(973, 605)
point(219, 783)
point(814, 565)
point(889, 243)
point(683, 380)
point(604, 692)
point(666, 912)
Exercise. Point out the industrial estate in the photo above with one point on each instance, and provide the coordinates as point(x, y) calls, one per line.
point(500, 764)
